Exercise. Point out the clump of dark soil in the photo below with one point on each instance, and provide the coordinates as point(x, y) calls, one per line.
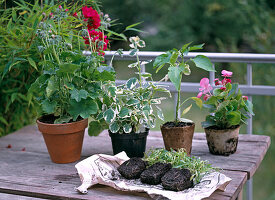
point(153, 174)
point(49, 119)
point(219, 128)
point(178, 124)
point(177, 179)
point(132, 168)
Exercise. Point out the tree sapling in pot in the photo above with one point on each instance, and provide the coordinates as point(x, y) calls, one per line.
point(179, 133)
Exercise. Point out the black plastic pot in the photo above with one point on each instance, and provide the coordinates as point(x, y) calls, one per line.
point(134, 144)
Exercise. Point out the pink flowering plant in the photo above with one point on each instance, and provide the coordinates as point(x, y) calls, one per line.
point(228, 107)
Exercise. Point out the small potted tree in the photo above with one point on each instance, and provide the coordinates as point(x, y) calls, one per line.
point(67, 90)
point(228, 110)
point(179, 133)
point(127, 109)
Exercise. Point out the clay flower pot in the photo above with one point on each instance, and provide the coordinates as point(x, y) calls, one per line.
point(178, 137)
point(63, 141)
point(222, 142)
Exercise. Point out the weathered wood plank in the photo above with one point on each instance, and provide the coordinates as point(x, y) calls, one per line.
point(31, 173)
point(4, 196)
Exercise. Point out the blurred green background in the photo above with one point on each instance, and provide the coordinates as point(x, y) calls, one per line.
point(235, 26)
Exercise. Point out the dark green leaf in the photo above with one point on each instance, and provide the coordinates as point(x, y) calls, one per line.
point(234, 118)
point(84, 108)
point(132, 102)
point(48, 106)
point(203, 62)
point(78, 94)
point(68, 68)
point(95, 128)
point(207, 124)
point(63, 119)
point(125, 112)
point(175, 75)
point(161, 60)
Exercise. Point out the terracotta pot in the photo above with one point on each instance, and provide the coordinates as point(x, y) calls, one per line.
point(63, 141)
point(222, 142)
point(178, 137)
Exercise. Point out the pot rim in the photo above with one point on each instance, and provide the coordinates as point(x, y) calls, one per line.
point(64, 124)
point(175, 127)
point(209, 128)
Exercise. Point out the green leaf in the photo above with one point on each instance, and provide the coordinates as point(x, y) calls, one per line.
point(133, 25)
point(79, 94)
point(228, 86)
point(234, 118)
point(184, 47)
point(160, 113)
point(48, 106)
point(125, 112)
point(217, 91)
point(132, 102)
point(174, 57)
point(95, 128)
point(186, 110)
point(211, 100)
point(249, 106)
point(133, 52)
point(68, 68)
point(203, 62)
point(84, 108)
point(222, 105)
point(114, 127)
point(196, 47)
point(207, 124)
point(32, 63)
point(232, 92)
point(175, 76)
point(63, 119)
point(198, 101)
point(109, 115)
point(161, 60)
point(3, 120)
point(51, 87)
point(127, 128)
point(131, 83)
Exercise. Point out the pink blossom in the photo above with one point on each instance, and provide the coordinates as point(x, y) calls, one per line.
point(205, 86)
point(199, 95)
point(223, 88)
point(51, 14)
point(75, 14)
point(60, 7)
point(226, 73)
point(217, 81)
point(245, 98)
point(67, 10)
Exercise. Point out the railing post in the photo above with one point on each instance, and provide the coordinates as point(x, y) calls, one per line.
point(212, 75)
point(249, 192)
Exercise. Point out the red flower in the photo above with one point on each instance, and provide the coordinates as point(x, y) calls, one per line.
point(75, 14)
point(60, 7)
point(223, 88)
point(245, 98)
point(9, 146)
point(206, 97)
point(67, 10)
point(226, 80)
point(92, 16)
point(24, 149)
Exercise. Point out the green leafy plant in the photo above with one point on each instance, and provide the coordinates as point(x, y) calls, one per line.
point(129, 107)
point(227, 105)
point(179, 67)
point(179, 159)
point(70, 85)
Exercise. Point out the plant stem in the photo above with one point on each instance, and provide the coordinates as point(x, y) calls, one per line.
point(178, 107)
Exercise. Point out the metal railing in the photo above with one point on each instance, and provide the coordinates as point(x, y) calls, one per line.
point(248, 89)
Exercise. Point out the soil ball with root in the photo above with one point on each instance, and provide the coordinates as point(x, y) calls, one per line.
point(132, 168)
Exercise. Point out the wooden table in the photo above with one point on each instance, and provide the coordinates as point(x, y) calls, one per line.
point(29, 173)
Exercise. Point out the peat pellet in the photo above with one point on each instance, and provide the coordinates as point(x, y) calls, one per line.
point(132, 168)
point(177, 179)
point(152, 175)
